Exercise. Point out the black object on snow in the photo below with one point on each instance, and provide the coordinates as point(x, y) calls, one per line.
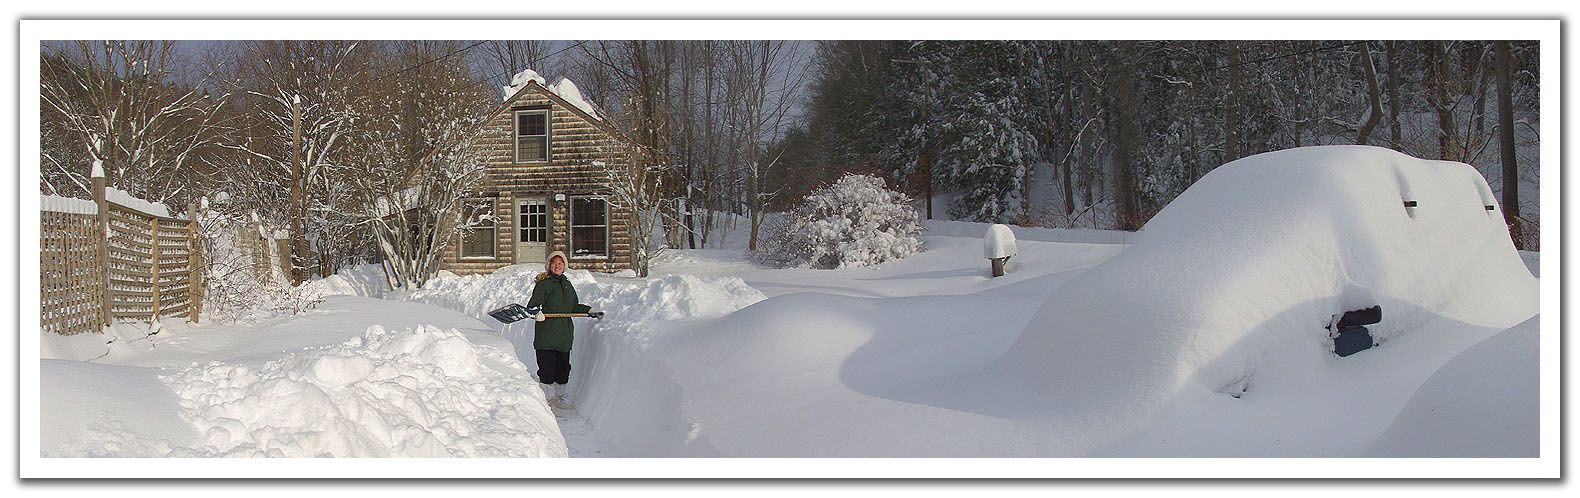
point(510, 314)
point(1365, 316)
point(1352, 340)
point(1350, 334)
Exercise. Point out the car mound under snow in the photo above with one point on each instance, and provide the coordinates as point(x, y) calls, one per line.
point(1232, 288)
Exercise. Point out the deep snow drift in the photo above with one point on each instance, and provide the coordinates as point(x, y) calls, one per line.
point(1204, 338)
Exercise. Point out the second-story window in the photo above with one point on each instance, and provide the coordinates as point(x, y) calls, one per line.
point(532, 136)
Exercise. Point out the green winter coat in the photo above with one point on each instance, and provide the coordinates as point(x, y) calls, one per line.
point(556, 295)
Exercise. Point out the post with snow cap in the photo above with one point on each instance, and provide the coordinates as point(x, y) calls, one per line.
point(999, 245)
point(102, 240)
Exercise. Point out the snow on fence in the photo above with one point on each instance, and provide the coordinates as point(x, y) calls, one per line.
point(114, 261)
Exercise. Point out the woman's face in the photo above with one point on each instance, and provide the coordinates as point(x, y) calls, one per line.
point(557, 265)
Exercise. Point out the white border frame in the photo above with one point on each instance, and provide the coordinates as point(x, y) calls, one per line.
point(1546, 31)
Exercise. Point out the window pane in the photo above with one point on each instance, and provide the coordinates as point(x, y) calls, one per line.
point(588, 241)
point(530, 148)
point(588, 212)
point(530, 124)
point(478, 241)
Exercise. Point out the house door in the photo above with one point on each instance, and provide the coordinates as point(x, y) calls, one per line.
point(532, 229)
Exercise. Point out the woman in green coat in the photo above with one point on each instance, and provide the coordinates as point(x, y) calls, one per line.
point(552, 336)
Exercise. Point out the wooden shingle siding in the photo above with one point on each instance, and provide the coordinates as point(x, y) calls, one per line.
point(575, 143)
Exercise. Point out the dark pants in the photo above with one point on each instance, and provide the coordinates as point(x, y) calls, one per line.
point(554, 367)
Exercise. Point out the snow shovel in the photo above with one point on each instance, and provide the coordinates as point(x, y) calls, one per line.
point(515, 313)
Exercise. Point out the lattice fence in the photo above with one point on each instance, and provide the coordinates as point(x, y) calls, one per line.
point(106, 261)
point(71, 273)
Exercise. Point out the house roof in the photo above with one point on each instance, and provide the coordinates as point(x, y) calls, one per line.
point(534, 86)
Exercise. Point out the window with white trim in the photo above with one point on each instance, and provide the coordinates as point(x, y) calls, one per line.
point(477, 236)
point(532, 136)
point(589, 227)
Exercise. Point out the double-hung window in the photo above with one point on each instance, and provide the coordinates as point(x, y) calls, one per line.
point(532, 136)
point(477, 239)
point(589, 227)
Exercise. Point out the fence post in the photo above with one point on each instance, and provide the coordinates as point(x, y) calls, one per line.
point(102, 241)
point(153, 228)
point(195, 285)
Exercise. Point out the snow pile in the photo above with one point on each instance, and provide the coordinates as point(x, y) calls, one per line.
point(1487, 398)
point(1225, 293)
point(855, 222)
point(628, 303)
point(58, 204)
point(97, 410)
point(123, 336)
point(118, 196)
point(567, 90)
point(563, 87)
point(520, 80)
point(999, 242)
point(360, 280)
point(419, 392)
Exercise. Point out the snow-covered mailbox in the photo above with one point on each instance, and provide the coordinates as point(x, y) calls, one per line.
point(999, 245)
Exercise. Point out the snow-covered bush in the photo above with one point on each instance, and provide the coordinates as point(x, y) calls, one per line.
point(237, 285)
point(855, 222)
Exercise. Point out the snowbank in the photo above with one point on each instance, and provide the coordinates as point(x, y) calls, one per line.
point(948, 228)
point(631, 305)
point(1226, 291)
point(420, 392)
point(361, 280)
point(1485, 403)
point(96, 410)
point(617, 384)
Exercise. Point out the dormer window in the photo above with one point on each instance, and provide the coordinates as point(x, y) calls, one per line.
point(532, 136)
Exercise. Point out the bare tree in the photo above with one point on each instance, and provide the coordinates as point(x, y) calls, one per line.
point(119, 101)
point(415, 166)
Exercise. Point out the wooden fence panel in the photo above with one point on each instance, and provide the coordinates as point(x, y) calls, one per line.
point(71, 294)
point(148, 268)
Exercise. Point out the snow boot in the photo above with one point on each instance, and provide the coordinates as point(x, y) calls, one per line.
point(555, 395)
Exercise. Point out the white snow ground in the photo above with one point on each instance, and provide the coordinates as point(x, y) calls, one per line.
point(1200, 336)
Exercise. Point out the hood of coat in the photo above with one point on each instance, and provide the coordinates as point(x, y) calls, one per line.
point(546, 272)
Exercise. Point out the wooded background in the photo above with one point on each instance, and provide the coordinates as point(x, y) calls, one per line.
point(1088, 134)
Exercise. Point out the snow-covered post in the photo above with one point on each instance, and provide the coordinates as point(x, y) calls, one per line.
point(103, 238)
point(999, 245)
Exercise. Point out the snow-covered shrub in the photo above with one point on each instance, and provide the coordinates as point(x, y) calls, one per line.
point(855, 222)
point(237, 285)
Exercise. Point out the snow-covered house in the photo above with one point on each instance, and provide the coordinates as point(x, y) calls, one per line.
point(548, 157)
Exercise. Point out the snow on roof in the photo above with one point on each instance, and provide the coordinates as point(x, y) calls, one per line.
point(563, 87)
point(58, 204)
point(407, 200)
point(567, 90)
point(149, 208)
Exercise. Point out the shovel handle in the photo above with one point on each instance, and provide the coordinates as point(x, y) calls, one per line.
point(594, 314)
